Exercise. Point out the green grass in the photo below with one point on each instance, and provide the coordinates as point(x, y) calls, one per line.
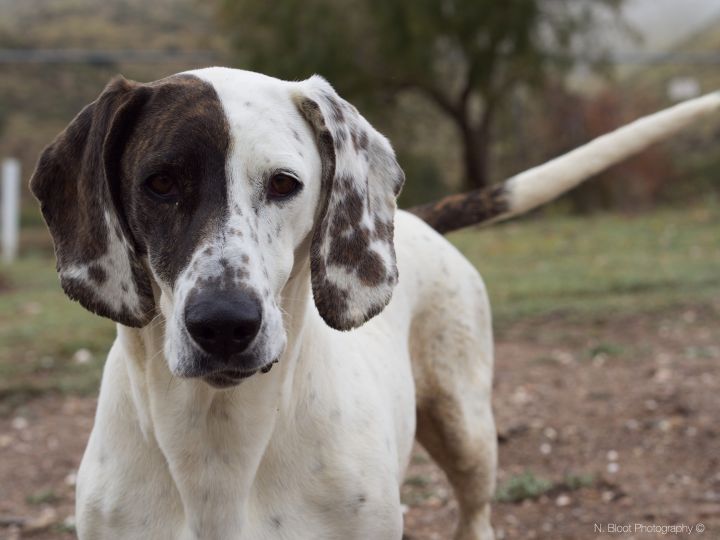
point(46, 496)
point(521, 487)
point(598, 265)
point(40, 331)
point(581, 267)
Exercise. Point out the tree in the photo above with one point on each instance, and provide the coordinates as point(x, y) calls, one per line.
point(464, 56)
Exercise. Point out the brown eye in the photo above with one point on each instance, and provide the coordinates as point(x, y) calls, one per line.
point(282, 185)
point(162, 187)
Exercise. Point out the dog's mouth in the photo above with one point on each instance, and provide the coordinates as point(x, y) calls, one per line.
point(232, 377)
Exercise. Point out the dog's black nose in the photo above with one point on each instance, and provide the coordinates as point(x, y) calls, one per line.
point(223, 323)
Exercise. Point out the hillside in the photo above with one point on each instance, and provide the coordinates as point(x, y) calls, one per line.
point(38, 100)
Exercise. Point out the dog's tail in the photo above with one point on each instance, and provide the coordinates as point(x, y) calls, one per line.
point(541, 184)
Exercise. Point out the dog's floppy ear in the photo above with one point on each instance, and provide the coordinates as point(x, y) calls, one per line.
point(77, 181)
point(352, 256)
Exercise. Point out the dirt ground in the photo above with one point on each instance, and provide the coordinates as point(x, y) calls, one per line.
point(628, 404)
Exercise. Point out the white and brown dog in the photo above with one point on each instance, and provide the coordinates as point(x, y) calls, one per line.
point(229, 221)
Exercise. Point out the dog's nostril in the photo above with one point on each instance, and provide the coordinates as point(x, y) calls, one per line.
point(240, 333)
point(205, 332)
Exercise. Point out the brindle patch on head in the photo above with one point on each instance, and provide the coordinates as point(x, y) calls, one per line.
point(174, 127)
point(184, 135)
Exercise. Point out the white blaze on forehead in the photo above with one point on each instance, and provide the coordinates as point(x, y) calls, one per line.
point(268, 134)
point(266, 129)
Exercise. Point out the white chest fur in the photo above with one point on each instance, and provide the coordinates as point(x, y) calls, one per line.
point(315, 448)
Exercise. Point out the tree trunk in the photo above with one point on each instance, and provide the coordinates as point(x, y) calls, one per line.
point(474, 158)
point(475, 141)
point(474, 135)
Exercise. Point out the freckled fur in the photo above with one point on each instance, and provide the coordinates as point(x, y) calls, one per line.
point(317, 446)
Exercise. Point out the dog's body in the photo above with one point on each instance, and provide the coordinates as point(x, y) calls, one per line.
point(317, 447)
point(230, 221)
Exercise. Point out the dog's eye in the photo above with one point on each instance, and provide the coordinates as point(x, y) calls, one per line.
point(162, 187)
point(282, 185)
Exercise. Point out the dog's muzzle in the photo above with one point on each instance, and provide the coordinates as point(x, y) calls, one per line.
point(223, 324)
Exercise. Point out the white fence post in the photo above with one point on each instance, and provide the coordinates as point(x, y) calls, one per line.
point(10, 212)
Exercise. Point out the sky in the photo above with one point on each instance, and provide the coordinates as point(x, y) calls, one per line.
point(664, 23)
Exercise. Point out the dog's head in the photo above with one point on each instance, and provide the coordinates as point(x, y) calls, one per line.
point(201, 195)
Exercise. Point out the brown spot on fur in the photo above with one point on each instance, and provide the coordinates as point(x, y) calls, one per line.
point(97, 274)
point(465, 209)
point(359, 139)
point(371, 270)
point(335, 108)
point(383, 230)
point(242, 273)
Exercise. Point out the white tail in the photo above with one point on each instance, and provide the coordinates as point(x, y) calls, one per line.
point(541, 184)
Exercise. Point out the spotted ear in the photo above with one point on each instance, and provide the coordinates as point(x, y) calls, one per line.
point(352, 256)
point(77, 181)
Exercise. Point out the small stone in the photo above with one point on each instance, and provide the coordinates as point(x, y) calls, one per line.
point(82, 356)
point(520, 396)
point(47, 362)
point(613, 467)
point(612, 455)
point(545, 449)
point(20, 423)
point(71, 479)
point(47, 517)
point(69, 522)
point(663, 375)
point(563, 500)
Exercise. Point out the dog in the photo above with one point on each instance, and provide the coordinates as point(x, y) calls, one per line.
point(284, 334)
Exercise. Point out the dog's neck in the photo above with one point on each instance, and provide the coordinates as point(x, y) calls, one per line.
point(214, 440)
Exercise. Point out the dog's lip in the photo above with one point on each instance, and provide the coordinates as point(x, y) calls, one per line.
point(232, 377)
